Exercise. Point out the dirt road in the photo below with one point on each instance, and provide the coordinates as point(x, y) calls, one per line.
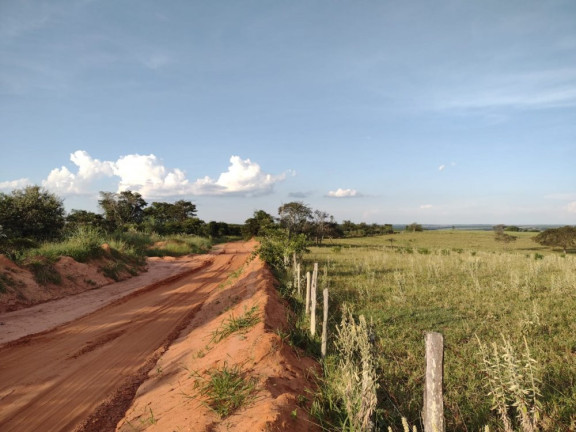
point(83, 375)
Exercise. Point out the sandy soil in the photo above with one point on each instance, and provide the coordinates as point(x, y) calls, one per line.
point(126, 366)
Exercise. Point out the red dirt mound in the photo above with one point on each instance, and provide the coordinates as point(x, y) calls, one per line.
point(168, 399)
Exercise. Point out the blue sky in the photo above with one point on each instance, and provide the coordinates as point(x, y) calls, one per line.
point(375, 111)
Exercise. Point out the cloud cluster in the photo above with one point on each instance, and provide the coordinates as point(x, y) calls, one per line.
point(344, 193)
point(14, 184)
point(147, 175)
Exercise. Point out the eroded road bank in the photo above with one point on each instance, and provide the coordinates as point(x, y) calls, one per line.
point(56, 380)
point(119, 365)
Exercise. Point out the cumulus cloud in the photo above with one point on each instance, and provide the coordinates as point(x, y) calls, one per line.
point(426, 206)
point(14, 184)
point(147, 175)
point(344, 193)
point(64, 181)
point(571, 207)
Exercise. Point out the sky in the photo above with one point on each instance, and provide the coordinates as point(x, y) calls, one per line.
point(377, 111)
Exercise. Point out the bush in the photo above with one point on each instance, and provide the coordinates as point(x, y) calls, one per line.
point(83, 244)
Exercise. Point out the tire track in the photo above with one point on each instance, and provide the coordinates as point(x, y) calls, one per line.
point(83, 375)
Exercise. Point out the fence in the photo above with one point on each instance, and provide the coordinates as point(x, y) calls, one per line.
point(433, 409)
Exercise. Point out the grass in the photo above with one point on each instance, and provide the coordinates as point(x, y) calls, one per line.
point(82, 245)
point(127, 252)
point(44, 271)
point(470, 288)
point(178, 246)
point(236, 324)
point(225, 389)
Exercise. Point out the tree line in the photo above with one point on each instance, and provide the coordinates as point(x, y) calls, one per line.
point(298, 218)
point(36, 214)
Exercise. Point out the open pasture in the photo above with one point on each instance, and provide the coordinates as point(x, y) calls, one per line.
point(478, 293)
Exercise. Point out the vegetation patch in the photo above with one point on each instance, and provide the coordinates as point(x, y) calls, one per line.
point(236, 324)
point(225, 389)
point(178, 246)
point(43, 271)
point(469, 285)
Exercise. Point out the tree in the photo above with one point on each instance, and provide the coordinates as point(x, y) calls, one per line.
point(122, 209)
point(323, 225)
point(77, 218)
point(501, 236)
point(414, 227)
point(255, 225)
point(32, 213)
point(294, 216)
point(564, 237)
point(166, 218)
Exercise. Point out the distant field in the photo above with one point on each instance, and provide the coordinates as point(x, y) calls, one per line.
point(471, 288)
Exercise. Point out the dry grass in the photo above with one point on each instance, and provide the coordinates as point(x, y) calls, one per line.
point(461, 284)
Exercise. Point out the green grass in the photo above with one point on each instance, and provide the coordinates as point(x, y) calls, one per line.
point(128, 251)
point(82, 245)
point(225, 389)
point(468, 287)
point(236, 324)
point(44, 271)
point(179, 246)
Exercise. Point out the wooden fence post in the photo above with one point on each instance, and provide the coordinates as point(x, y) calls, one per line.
point(325, 323)
point(298, 280)
point(307, 293)
point(313, 300)
point(433, 412)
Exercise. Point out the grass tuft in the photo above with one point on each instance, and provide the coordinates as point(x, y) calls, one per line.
point(225, 389)
point(232, 325)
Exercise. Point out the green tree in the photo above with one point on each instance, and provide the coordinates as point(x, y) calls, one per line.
point(32, 213)
point(78, 218)
point(255, 225)
point(122, 209)
point(294, 216)
point(166, 218)
point(414, 227)
point(564, 237)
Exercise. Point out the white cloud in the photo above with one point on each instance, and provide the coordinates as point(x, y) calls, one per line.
point(344, 193)
point(441, 167)
point(147, 175)
point(64, 181)
point(426, 206)
point(243, 176)
point(14, 184)
point(571, 207)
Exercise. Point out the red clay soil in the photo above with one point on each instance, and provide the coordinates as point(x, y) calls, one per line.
point(127, 366)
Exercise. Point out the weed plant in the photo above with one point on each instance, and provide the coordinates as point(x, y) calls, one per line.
point(466, 286)
point(225, 389)
point(236, 324)
point(348, 394)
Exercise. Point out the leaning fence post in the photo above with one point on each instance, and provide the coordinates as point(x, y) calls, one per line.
point(313, 300)
point(433, 412)
point(307, 293)
point(325, 323)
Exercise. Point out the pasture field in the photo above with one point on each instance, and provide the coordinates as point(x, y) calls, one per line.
point(510, 300)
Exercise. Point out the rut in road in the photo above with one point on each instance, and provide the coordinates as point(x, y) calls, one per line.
point(83, 375)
